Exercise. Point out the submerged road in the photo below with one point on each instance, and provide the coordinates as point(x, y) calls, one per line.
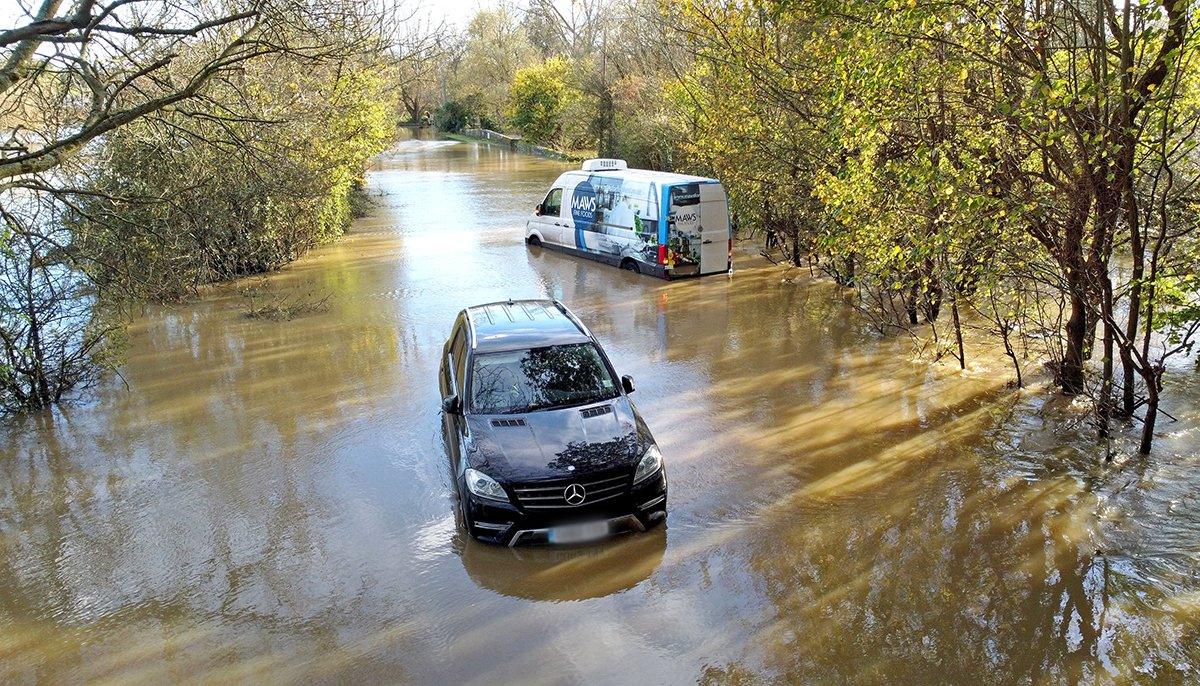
point(271, 501)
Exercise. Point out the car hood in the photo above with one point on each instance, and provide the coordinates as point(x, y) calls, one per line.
point(549, 444)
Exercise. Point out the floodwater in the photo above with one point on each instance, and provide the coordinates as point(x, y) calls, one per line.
point(270, 501)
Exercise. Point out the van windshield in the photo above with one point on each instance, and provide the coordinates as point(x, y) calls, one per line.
point(517, 381)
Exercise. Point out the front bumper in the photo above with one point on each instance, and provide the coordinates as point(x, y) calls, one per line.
point(642, 507)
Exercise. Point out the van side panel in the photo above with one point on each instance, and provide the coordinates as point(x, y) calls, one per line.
point(614, 216)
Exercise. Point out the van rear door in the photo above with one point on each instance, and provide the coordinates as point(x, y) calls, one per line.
point(714, 229)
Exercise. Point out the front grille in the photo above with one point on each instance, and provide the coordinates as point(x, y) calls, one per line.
point(546, 495)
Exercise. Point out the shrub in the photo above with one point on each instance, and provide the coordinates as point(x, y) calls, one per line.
point(183, 202)
point(538, 97)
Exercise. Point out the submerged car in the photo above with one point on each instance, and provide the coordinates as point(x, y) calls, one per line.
point(545, 445)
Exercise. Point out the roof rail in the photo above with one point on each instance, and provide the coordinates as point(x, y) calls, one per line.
point(470, 327)
point(572, 318)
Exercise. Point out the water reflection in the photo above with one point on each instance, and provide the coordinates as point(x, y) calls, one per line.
point(574, 573)
point(269, 501)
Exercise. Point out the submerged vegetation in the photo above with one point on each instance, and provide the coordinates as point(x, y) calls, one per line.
point(184, 200)
point(1030, 167)
point(151, 147)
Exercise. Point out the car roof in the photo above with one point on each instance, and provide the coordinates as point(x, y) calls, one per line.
point(518, 324)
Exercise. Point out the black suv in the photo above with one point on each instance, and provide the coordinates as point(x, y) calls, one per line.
point(545, 445)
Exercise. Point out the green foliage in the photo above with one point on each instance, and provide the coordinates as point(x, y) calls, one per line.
point(990, 155)
point(646, 131)
point(455, 115)
point(187, 201)
point(494, 48)
point(538, 96)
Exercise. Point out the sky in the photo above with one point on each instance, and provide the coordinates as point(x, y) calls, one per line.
point(453, 12)
point(456, 12)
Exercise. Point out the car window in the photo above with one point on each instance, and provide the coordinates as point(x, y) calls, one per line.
point(552, 205)
point(539, 378)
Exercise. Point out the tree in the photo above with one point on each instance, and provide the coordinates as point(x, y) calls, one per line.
point(185, 200)
point(71, 78)
point(928, 153)
point(494, 49)
point(76, 84)
point(55, 335)
point(538, 97)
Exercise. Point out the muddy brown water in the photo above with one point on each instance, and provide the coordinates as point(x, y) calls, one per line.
point(270, 501)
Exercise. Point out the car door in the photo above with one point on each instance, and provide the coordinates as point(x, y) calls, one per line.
point(452, 381)
point(445, 369)
point(549, 221)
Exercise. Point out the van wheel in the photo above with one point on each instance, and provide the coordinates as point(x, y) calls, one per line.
point(533, 240)
point(630, 265)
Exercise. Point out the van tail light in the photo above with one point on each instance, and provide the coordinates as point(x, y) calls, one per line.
point(731, 250)
point(662, 254)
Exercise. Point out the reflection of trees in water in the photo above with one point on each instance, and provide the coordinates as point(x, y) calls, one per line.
point(957, 575)
point(591, 457)
point(542, 376)
point(95, 551)
point(199, 498)
point(962, 567)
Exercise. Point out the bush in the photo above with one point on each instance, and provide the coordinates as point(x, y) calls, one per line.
point(455, 115)
point(538, 97)
point(452, 116)
point(183, 202)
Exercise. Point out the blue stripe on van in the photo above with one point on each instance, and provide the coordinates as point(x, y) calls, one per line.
point(664, 211)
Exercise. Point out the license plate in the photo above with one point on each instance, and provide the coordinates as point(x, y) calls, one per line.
point(579, 533)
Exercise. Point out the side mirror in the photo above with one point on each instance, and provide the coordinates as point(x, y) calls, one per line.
point(538, 210)
point(627, 383)
point(451, 404)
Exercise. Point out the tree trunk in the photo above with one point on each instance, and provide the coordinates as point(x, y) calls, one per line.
point(1071, 373)
point(1104, 405)
point(962, 357)
point(39, 389)
point(1075, 269)
point(1135, 298)
point(1151, 417)
point(1012, 354)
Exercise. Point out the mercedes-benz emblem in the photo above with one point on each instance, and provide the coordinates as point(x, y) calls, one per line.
point(574, 494)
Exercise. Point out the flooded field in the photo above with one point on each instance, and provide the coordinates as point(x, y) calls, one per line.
point(271, 501)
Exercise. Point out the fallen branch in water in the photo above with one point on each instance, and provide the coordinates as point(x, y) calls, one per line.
point(262, 303)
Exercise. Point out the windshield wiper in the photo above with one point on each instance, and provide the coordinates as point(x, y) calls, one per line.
point(534, 407)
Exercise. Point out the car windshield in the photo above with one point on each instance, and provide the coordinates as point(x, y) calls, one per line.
point(539, 378)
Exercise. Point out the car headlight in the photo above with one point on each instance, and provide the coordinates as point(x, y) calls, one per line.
point(651, 462)
point(484, 486)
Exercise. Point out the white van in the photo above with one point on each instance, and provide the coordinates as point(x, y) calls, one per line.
point(659, 223)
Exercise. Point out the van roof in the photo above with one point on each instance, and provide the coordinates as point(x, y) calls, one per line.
point(517, 324)
point(646, 175)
